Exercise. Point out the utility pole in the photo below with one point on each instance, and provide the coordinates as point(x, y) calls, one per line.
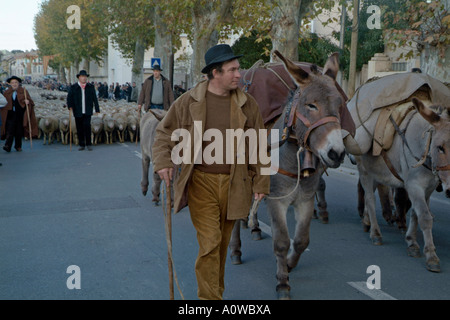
point(342, 37)
point(353, 50)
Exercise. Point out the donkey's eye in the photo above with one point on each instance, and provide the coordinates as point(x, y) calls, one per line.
point(441, 149)
point(312, 107)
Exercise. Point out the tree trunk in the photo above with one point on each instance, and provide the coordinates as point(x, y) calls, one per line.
point(206, 18)
point(353, 50)
point(285, 32)
point(62, 74)
point(163, 43)
point(138, 63)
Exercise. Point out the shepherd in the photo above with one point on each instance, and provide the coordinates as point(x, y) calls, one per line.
point(217, 194)
point(82, 99)
point(14, 122)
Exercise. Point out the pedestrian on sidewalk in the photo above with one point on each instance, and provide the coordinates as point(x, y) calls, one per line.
point(219, 193)
point(82, 99)
point(14, 119)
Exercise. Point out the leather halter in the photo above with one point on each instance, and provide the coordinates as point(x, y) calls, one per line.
point(290, 121)
point(295, 114)
point(443, 168)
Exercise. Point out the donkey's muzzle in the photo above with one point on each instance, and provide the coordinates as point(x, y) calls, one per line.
point(335, 156)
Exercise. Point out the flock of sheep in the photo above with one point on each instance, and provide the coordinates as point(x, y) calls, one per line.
point(118, 121)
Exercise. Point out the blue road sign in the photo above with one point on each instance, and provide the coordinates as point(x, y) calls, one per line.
point(156, 61)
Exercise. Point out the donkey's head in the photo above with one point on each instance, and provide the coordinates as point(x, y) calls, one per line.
point(440, 142)
point(317, 118)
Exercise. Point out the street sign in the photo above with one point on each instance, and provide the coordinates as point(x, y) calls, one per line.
point(156, 61)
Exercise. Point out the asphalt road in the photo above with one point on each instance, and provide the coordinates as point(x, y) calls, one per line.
point(60, 209)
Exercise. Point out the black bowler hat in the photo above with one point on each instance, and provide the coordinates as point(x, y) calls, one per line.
point(83, 73)
point(217, 54)
point(157, 67)
point(14, 78)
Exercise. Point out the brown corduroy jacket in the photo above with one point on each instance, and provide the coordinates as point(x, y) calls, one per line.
point(245, 179)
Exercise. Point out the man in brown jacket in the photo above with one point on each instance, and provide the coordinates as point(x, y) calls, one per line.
point(220, 192)
point(156, 92)
point(14, 115)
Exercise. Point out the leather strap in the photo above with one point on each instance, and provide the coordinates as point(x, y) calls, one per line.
point(311, 127)
point(390, 166)
point(443, 168)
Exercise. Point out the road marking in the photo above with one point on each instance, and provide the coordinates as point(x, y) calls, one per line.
point(138, 154)
point(375, 294)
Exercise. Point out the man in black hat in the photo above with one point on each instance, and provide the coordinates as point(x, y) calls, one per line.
point(82, 99)
point(156, 92)
point(218, 192)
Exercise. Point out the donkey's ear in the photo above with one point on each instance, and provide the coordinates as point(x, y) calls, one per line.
point(331, 68)
point(300, 76)
point(428, 114)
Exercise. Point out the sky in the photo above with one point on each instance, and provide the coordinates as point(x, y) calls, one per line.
point(16, 24)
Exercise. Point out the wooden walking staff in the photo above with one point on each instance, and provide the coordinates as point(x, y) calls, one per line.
point(168, 220)
point(29, 122)
point(168, 216)
point(70, 128)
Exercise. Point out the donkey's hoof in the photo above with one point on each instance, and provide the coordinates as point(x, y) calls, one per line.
point(156, 203)
point(236, 260)
point(315, 214)
point(244, 224)
point(433, 267)
point(366, 227)
point(377, 241)
point(256, 235)
point(413, 251)
point(433, 264)
point(323, 219)
point(283, 292)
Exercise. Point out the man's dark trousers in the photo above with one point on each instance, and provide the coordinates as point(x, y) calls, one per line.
point(84, 130)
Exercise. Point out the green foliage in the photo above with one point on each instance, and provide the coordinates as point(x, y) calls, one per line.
point(251, 49)
point(315, 49)
point(370, 41)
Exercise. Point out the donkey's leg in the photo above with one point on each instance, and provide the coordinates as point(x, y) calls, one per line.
point(411, 236)
point(369, 209)
point(235, 244)
point(384, 193)
point(425, 219)
point(156, 189)
point(303, 214)
point(256, 231)
point(281, 243)
point(402, 205)
point(360, 199)
point(144, 181)
point(322, 202)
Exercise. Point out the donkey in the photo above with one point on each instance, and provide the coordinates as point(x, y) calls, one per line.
point(316, 127)
point(148, 125)
point(427, 132)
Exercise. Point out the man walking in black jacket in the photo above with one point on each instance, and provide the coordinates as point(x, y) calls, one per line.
point(81, 99)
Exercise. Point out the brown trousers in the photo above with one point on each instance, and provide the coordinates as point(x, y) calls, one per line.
point(208, 200)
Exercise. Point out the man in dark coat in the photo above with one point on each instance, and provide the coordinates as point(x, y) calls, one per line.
point(81, 99)
point(14, 115)
point(157, 92)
